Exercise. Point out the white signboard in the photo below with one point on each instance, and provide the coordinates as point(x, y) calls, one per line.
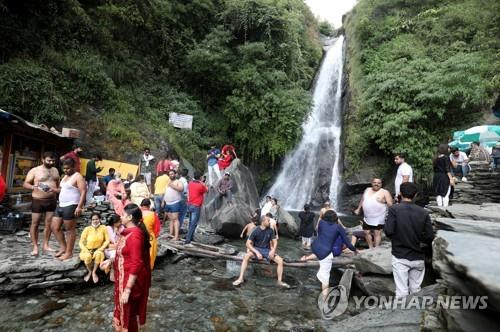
point(182, 121)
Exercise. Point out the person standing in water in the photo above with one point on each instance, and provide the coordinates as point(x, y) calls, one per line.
point(71, 201)
point(374, 203)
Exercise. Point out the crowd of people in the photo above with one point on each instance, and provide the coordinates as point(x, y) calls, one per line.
point(126, 247)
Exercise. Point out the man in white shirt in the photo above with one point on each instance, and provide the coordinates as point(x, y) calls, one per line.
point(459, 163)
point(404, 174)
point(266, 208)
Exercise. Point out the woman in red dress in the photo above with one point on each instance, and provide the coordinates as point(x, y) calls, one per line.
point(132, 272)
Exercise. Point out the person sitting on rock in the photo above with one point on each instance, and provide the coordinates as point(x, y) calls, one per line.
point(224, 161)
point(459, 163)
point(109, 177)
point(114, 228)
point(116, 194)
point(139, 190)
point(92, 243)
point(326, 207)
point(224, 187)
point(262, 244)
point(323, 248)
point(478, 153)
point(254, 222)
point(273, 224)
point(495, 156)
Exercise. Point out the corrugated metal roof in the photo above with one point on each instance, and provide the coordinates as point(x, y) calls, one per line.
point(9, 117)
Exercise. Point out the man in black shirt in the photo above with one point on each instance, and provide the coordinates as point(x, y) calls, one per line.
point(408, 225)
point(91, 178)
point(262, 244)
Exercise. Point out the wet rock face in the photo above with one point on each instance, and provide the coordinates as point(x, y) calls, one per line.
point(229, 220)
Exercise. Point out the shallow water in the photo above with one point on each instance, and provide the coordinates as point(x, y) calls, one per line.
point(193, 294)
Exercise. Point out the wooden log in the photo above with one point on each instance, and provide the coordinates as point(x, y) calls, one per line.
point(201, 252)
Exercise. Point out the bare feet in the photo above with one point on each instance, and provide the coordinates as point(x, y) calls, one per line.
point(34, 252)
point(60, 252)
point(95, 278)
point(238, 282)
point(65, 257)
point(303, 258)
point(47, 249)
point(87, 277)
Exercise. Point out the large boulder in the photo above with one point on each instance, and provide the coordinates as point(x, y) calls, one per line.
point(377, 260)
point(230, 219)
point(288, 225)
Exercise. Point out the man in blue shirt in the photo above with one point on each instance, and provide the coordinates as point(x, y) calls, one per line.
point(109, 177)
point(262, 244)
point(213, 168)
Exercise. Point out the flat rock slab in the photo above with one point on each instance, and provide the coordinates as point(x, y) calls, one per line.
point(481, 227)
point(376, 285)
point(486, 211)
point(376, 260)
point(468, 263)
point(380, 320)
point(22, 263)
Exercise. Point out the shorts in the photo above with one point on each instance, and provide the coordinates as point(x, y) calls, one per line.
point(43, 205)
point(264, 252)
point(66, 212)
point(147, 178)
point(174, 208)
point(367, 227)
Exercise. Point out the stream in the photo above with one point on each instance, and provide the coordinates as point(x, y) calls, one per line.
point(192, 294)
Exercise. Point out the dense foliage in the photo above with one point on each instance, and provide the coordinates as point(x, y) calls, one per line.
point(418, 70)
point(242, 68)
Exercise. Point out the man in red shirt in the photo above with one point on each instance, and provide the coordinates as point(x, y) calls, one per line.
point(196, 192)
point(75, 155)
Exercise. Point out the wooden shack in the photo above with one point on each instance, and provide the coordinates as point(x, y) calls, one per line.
point(22, 144)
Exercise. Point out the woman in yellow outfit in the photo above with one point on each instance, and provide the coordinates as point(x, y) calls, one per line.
point(152, 223)
point(93, 241)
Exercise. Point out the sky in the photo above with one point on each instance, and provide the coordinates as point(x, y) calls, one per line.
point(330, 10)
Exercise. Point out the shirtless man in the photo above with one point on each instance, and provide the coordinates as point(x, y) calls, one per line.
point(71, 201)
point(173, 202)
point(375, 203)
point(43, 181)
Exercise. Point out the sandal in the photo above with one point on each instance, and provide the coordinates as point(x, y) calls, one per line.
point(283, 284)
point(238, 282)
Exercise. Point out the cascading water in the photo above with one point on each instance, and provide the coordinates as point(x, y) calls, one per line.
point(311, 172)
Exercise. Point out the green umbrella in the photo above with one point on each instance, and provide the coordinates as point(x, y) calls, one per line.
point(486, 135)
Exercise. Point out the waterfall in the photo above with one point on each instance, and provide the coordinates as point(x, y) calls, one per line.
point(310, 173)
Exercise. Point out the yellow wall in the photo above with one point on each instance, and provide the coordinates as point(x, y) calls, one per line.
point(122, 168)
